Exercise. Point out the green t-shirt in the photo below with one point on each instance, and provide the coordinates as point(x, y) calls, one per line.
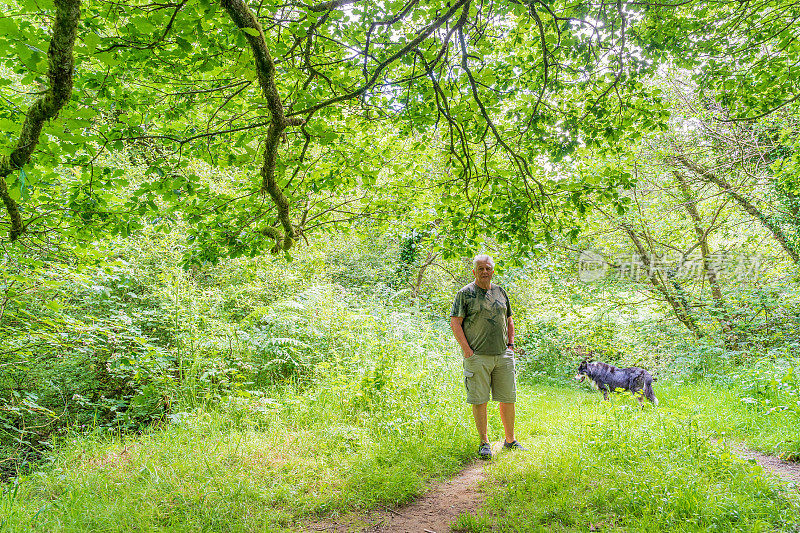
point(485, 316)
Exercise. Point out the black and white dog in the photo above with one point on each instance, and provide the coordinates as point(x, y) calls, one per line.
point(609, 378)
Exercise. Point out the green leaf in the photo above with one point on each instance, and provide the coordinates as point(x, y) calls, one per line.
point(8, 26)
point(108, 59)
point(91, 40)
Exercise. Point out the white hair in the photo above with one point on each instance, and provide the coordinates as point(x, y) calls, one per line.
point(482, 258)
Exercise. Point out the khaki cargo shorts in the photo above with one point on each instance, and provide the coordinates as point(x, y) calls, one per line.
point(497, 373)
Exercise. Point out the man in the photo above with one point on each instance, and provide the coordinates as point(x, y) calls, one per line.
point(482, 324)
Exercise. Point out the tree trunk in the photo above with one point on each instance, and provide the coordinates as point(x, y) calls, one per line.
point(748, 206)
point(723, 317)
point(677, 301)
point(421, 274)
point(246, 21)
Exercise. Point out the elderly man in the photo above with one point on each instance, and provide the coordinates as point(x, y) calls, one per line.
point(482, 324)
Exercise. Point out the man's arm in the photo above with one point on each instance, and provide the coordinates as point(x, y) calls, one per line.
point(458, 333)
point(510, 330)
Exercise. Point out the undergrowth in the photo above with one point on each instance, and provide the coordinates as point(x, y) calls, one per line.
point(369, 423)
point(609, 466)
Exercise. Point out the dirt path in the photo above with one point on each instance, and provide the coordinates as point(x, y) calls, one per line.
point(433, 512)
point(785, 470)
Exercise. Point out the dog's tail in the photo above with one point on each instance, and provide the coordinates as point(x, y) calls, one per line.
point(648, 392)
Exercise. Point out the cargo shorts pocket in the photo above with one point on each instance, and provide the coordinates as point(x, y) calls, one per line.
point(467, 374)
point(511, 360)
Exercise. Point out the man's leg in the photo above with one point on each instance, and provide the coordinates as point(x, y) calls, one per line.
point(504, 390)
point(480, 414)
point(507, 417)
point(477, 380)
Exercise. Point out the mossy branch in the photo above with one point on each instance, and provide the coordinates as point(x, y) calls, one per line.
point(245, 20)
point(59, 73)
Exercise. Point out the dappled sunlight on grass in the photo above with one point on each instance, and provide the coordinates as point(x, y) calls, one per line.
point(613, 466)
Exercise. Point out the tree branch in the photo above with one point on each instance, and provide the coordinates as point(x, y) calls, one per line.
point(153, 44)
point(328, 6)
point(424, 34)
point(245, 20)
point(706, 175)
point(59, 73)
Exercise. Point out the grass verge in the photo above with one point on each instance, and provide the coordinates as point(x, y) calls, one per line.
point(770, 428)
point(610, 466)
point(207, 475)
point(262, 464)
point(371, 423)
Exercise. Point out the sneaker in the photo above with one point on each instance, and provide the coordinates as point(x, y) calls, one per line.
point(514, 446)
point(485, 451)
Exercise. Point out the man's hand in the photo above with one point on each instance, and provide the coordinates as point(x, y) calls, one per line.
point(458, 333)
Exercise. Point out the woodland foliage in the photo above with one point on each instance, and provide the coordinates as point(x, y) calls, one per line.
point(285, 102)
point(152, 153)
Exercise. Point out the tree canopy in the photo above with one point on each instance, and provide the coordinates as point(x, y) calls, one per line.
point(258, 122)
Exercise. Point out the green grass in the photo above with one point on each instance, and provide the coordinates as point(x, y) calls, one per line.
point(610, 466)
point(208, 474)
point(268, 464)
point(370, 424)
point(722, 413)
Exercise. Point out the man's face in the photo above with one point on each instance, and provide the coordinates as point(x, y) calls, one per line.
point(483, 272)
